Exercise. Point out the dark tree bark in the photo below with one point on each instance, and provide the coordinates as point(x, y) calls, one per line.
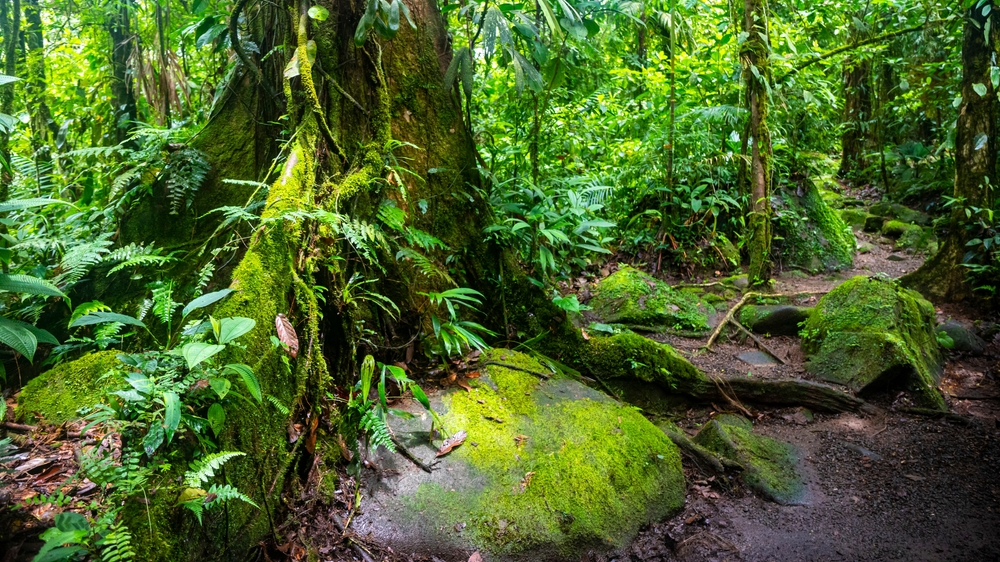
point(122, 85)
point(757, 78)
point(856, 139)
point(942, 278)
point(42, 125)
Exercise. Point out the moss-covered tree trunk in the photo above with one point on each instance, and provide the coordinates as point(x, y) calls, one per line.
point(942, 277)
point(10, 32)
point(356, 117)
point(757, 78)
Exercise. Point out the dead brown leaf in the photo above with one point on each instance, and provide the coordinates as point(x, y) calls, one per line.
point(344, 451)
point(451, 442)
point(287, 335)
point(476, 557)
point(462, 383)
point(472, 375)
point(585, 335)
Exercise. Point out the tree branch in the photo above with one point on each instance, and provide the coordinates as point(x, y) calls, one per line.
point(846, 48)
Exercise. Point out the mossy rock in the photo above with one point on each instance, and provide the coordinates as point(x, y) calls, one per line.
point(870, 333)
point(833, 199)
point(549, 470)
point(911, 237)
point(55, 395)
point(811, 235)
point(638, 300)
point(777, 320)
point(771, 465)
point(899, 212)
point(854, 218)
point(873, 223)
point(963, 337)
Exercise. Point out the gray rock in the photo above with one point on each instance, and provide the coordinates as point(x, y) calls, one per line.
point(964, 337)
point(777, 320)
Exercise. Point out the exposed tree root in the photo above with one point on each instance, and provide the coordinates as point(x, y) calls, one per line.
point(936, 414)
point(700, 455)
point(812, 395)
point(412, 458)
point(760, 343)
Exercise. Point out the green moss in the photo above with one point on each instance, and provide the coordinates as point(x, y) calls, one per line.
point(770, 464)
point(869, 331)
point(814, 237)
point(57, 394)
point(911, 236)
point(855, 218)
point(567, 469)
point(634, 298)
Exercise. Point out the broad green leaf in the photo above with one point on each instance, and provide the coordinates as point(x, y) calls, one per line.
point(979, 88)
point(139, 382)
point(418, 394)
point(221, 386)
point(71, 521)
point(216, 418)
point(105, 318)
point(28, 285)
point(21, 204)
point(550, 18)
point(7, 79)
point(249, 379)
point(153, 439)
point(319, 13)
point(171, 414)
point(43, 336)
point(232, 328)
point(18, 338)
point(197, 352)
point(205, 300)
point(129, 395)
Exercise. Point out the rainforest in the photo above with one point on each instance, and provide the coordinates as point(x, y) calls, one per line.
point(499, 280)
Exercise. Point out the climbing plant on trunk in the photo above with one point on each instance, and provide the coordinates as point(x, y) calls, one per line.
point(757, 79)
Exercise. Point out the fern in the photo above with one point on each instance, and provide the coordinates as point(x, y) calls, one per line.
point(79, 259)
point(185, 173)
point(202, 470)
point(225, 492)
point(116, 546)
point(277, 404)
point(125, 179)
point(164, 304)
point(427, 267)
point(374, 426)
point(137, 256)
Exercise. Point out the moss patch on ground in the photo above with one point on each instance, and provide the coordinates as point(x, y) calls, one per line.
point(57, 394)
point(812, 235)
point(770, 464)
point(556, 469)
point(868, 332)
point(638, 300)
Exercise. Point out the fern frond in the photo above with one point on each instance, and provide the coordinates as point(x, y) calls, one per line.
point(116, 546)
point(424, 264)
point(164, 304)
point(185, 173)
point(277, 404)
point(79, 259)
point(225, 492)
point(374, 426)
point(137, 256)
point(204, 469)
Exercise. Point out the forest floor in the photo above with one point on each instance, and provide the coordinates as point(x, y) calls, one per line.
point(883, 485)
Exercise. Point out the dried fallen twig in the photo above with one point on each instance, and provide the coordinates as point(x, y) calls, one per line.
point(763, 346)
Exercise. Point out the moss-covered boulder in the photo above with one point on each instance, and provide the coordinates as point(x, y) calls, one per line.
point(900, 212)
point(777, 320)
point(911, 237)
point(770, 466)
point(854, 218)
point(56, 395)
point(811, 235)
point(868, 333)
point(631, 297)
point(550, 469)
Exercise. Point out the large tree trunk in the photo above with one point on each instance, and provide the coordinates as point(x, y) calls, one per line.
point(350, 109)
point(943, 278)
point(42, 124)
point(855, 138)
point(122, 85)
point(757, 77)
